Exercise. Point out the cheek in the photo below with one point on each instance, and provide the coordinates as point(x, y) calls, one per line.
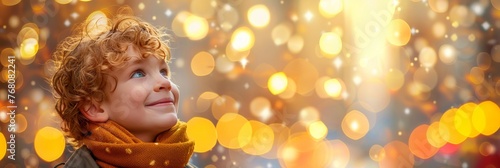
point(138, 94)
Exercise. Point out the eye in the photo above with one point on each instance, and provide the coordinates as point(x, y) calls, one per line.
point(164, 73)
point(138, 74)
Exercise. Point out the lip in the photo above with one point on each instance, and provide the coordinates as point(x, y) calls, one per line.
point(161, 102)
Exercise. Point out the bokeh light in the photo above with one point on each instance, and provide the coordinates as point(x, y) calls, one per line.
point(49, 144)
point(355, 125)
point(397, 154)
point(204, 140)
point(419, 144)
point(484, 118)
point(3, 146)
point(317, 130)
point(233, 131)
point(398, 32)
point(242, 39)
point(277, 83)
point(202, 64)
point(262, 139)
point(330, 8)
point(330, 44)
point(325, 83)
point(259, 16)
point(196, 27)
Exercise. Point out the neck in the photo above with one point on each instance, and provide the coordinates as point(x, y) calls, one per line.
point(146, 137)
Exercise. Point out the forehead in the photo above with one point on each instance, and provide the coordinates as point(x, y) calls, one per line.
point(135, 55)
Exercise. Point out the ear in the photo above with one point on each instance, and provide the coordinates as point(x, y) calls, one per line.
point(93, 112)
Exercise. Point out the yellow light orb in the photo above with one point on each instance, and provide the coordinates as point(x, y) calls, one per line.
point(242, 39)
point(355, 125)
point(333, 87)
point(233, 131)
point(447, 54)
point(202, 131)
point(485, 118)
point(259, 16)
point(435, 136)
point(281, 33)
point(439, 6)
point(317, 130)
point(427, 57)
point(262, 139)
point(330, 44)
point(330, 8)
point(49, 144)
point(202, 64)
point(3, 146)
point(29, 48)
point(10, 2)
point(463, 120)
point(398, 32)
point(447, 125)
point(196, 27)
point(63, 1)
point(277, 83)
point(377, 152)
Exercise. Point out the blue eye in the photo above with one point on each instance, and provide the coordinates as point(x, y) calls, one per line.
point(164, 73)
point(138, 74)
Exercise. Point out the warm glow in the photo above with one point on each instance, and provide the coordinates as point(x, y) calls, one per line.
point(330, 44)
point(333, 88)
point(330, 8)
point(233, 131)
point(242, 39)
point(49, 144)
point(277, 83)
point(398, 32)
point(318, 130)
point(202, 131)
point(196, 27)
point(259, 16)
point(355, 125)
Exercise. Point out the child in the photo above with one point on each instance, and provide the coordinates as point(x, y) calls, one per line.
point(115, 97)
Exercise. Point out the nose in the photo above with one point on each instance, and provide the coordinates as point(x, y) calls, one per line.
point(162, 83)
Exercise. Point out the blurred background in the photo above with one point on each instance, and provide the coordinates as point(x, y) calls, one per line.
point(286, 83)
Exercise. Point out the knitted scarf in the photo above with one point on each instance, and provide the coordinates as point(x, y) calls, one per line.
point(114, 146)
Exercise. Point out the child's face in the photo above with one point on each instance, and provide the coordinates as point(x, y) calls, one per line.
point(145, 101)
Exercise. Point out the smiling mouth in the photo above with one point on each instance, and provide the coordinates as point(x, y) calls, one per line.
point(162, 102)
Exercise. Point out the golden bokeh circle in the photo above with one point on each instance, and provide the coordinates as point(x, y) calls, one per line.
point(485, 117)
point(202, 64)
point(398, 32)
point(262, 139)
point(224, 104)
point(233, 131)
point(397, 154)
point(330, 8)
point(259, 16)
point(377, 152)
point(202, 131)
point(3, 145)
point(447, 126)
point(355, 125)
point(419, 144)
point(49, 144)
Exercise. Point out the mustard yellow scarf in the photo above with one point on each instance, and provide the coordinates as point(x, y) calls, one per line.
point(114, 146)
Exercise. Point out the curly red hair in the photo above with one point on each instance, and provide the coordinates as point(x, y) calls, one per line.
point(84, 60)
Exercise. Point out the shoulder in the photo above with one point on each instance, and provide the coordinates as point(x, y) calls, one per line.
point(81, 158)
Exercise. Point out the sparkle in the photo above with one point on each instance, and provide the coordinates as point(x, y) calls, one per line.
point(414, 31)
point(246, 85)
point(154, 18)
point(400, 133)
point(407, 111)
point(244, 62)
point(357, 80)
point(477, 8)
point(74, 15)
point(337, 62)
point(141, 6)
point(67, 23)
point(308, 15)
point(485, 25)
point(168, 13)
